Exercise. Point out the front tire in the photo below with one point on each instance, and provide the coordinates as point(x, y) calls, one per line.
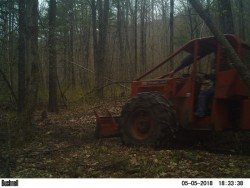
point(147, 119)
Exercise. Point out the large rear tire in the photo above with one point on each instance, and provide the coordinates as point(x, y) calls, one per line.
point(147, 119)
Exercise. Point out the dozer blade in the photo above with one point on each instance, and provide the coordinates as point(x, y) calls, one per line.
point(106, 126)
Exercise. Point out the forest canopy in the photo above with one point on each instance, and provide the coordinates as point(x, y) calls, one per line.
point(103, 41)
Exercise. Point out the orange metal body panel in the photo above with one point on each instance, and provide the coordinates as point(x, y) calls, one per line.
point(183, 101)
point(220, 114)
point(230, 84)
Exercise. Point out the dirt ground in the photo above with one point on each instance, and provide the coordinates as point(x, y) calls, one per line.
point(65, 147)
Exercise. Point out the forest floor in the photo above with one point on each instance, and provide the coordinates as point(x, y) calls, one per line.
point(65, 147)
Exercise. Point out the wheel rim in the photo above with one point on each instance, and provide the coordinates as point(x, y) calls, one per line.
point(141, 124)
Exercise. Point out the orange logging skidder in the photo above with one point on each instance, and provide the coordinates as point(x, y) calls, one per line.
point(203, 93)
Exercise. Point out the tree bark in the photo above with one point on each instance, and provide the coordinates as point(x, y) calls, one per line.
point(130, 70)
point(143, 59)
point(11, 54)
point(239, 66)
point(9, 85)
point(135, 39)
point(71, 44)
point(193, 20)
point(226, 16)
point(21, 55)
point(25, 116)
point(120, 37)
point(100, 41)
point(171, 26)
point(165, 17)
point(52, 107)
point(242, 32)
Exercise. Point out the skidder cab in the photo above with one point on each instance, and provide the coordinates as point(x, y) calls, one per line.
point(203, 92)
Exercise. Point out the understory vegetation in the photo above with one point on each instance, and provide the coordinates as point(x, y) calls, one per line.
point(64, 146)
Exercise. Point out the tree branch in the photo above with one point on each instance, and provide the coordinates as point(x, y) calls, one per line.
point(93, 72)
point(9, 86)
point(236, 62)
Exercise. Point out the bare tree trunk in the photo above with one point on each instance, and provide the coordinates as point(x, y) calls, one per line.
point(85, 45)
point(66, 77)
point(71, 44)
point(95, 42)
point(239, 66)
point(100, 55)
point(11, 54)
point(171, 25)
point(143, 31)
point(190, 21)
point(52, 107)
point(135, 39)
point(127, 44)
point(226, 16)
point(34, 60)
point(120, 38)
point(103, 25)
point(9, 85)
point(21, 55)
point(100, 41)
point(242, 32)
point(165, 17)
point(25, 116)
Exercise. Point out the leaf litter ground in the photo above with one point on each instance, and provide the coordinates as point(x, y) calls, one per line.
point(65, 147)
